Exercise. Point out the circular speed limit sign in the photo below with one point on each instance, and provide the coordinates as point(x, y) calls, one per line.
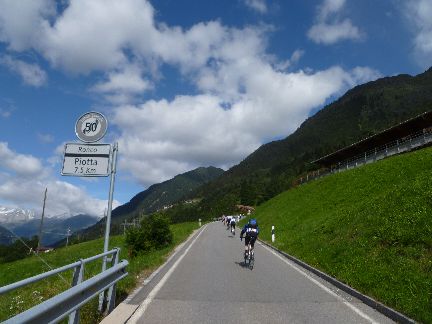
point(91, 127)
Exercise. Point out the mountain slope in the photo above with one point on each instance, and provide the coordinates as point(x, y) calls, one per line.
point(10, 215)
point(152, 199)
point(166, 193)
point(363, 111)
point(6, 237)
point(53, 228)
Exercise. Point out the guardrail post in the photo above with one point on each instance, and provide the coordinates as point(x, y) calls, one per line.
point(77, 279)
point(111, 297)
point(273, 234)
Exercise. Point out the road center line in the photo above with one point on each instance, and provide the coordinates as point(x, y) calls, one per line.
point(143, 307)
point(348, 304)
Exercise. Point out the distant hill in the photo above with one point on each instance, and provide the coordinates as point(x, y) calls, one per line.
point(154, 198)
point(54, 228)
point(166, 193)
point(6, 237)
point(363, 111)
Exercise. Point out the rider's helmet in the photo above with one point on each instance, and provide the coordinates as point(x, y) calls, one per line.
point(253, 222)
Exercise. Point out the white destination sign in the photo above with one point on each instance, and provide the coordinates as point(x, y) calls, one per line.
point(86, 160)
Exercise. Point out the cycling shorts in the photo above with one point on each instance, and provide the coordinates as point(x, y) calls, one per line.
point(251, 238)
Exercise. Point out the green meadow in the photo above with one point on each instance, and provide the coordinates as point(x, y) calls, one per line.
point(139, 267)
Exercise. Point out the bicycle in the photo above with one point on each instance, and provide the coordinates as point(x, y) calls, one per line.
point(249, 257)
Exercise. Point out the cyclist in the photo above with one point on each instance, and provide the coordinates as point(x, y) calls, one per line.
point(228, 222)
point(251, 231)
point(233, 224)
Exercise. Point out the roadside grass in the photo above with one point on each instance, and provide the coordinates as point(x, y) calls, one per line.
point(139, 267)
point(370, 227)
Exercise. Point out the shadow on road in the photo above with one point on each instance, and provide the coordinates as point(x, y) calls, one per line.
point(243, 265)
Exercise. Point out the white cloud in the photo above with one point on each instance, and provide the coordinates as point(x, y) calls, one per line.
point(332, 33)
point(23, 182)
point(45, 138)
point(21, 22)
point(160, 139)
point(330, 7)
point(5, 113)
point(31, 74)
point(244, 95)
point(257, 5)
point(7, 106)
point(330, 28)
point(419, 12)
point(92, 35)
point(123, 85)
point(22, 165)
point(294, 59)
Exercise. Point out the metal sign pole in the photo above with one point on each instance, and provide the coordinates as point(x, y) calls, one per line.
point(108, 217)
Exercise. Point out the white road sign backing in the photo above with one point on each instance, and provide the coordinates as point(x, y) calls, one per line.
point(86, 160)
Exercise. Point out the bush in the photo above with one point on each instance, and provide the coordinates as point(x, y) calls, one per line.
point(154, 233)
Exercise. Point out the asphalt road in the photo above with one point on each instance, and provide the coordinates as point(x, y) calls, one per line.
point(207, 283)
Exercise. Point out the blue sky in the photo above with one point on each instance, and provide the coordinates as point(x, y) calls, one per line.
point(183, 83)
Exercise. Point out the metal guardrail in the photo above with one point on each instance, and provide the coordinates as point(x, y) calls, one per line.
point(401, 145)
point(70, 301)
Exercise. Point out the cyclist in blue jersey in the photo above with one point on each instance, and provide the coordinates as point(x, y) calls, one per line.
point(251, 231)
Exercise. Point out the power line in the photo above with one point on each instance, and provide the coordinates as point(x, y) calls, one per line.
point(34, 252)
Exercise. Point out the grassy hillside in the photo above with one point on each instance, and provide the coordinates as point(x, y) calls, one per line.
point(370, 227)
point(19, 300)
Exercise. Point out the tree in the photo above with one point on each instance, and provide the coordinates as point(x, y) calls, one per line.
point(154, 233)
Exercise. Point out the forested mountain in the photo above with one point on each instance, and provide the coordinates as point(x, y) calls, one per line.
point(164, 194)
point(54, 228)
point(154, 198)
point(6, 237)
point(363, 111)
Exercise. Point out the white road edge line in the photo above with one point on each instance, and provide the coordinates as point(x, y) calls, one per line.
point(143, 307)
point(348, 304)
point(156, 272)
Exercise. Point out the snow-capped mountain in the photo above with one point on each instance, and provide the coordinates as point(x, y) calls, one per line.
point(13, 215)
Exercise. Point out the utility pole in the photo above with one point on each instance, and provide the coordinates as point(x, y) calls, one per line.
point(41, 223)
point(124, 227)
point(67, 236)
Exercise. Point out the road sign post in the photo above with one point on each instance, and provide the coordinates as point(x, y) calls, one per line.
point(93, 160)
point(108, 219)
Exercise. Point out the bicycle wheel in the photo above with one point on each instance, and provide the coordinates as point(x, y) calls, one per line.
point(251, 261)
